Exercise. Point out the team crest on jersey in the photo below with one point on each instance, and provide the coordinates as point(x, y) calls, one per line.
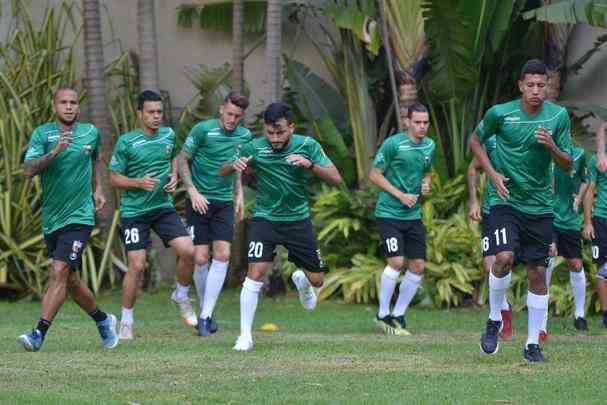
point(86, 149)
point(169, 149)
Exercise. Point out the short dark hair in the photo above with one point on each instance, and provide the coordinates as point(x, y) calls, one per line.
point(147, 95)
point(534, 67)
point(277, 111)
point(64, 88)
point(238, 99)
point(416, 107)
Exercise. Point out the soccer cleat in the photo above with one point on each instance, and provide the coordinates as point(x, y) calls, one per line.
point(580, 324)
point(307, 297)
point(107, 331)
point(207, 326)
point(185, 310)
point(243, 344)
point(386, 324)
point(543, 337)
point(126, 331)
point(489, 343)
point(533, 354)
point(400, 326)
point(506, 332)
point(31, 341)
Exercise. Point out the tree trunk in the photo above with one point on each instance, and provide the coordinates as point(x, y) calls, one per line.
point(274, 61)
point(273, 49)
point(97, 102)
point(238, 261)
point(148, 45)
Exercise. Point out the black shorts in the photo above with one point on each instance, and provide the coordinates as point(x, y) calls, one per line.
point(216, 224)
point(164, 221)
point(487, 247)
point(405, 238)
point(568, 243)
point(296, 236)
point(599, 243)
point(529, 236)
point(67, 244)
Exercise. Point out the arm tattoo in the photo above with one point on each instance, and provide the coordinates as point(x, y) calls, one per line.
point(184, 171)
point(34, 167)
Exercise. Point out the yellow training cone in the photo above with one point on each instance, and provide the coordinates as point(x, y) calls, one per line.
point(269, 327)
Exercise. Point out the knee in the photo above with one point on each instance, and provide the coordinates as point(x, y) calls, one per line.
point(396, 263)
point(575, 265)
point(417, 267)
point(137, 267)
point(59, 274)
point(503, 263)
point(221, 255)
point(201, 258)
point(316, 279)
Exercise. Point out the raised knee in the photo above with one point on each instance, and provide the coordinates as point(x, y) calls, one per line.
point(316, 280)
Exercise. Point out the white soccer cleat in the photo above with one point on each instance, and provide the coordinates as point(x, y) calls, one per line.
point(243, 344)
point(126, 331)
point(185, 310)
point(307, 296)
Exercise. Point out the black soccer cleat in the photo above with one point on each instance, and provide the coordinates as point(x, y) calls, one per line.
point(489, 341)
point(580, 324)
point(533, 354)
point(207, 326)
point(386, 324)
point(400, 325)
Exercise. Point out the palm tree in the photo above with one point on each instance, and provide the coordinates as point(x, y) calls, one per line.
point(273, 49)
point(97, 103)
point(237, 46)
point(148, 45)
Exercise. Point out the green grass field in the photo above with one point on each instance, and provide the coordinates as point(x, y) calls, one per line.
point(332, 355)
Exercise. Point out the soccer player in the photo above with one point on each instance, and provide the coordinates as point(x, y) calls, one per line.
point(210, 210)
point(595, 226)
point(284, 162)
point(476, 213)
point(569, 189)
point(530, 134)
point(144, 166)
point(402, 170)
point(65, 154)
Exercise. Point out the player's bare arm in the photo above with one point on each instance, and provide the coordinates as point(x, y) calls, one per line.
point(426, 183)
point(199, 202)
point(238, 197)
point(578, 199)
point(34, 167)
point(239, 165)
point(474, 171)
point(173, 177)
point(498, 179)
point(588, 229)
point(561, 158)
point(98, 195)
point(600, 148)
point(377, 177)
point(147, 182)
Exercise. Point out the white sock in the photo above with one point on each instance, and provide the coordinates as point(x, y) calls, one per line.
point(300, 280)
point(408, 288)
point(537, 308)
point(549, 270)
point(497, 295)
point(249, 295)
point(578, 287)
point(200, 281)
point(215, 280)
point(386, 289)
point(127, 315)
point(181, 291)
